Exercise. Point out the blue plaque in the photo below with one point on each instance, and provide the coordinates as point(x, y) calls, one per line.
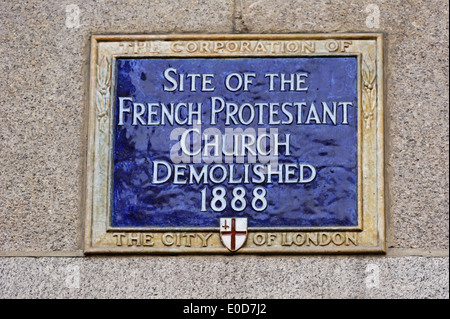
point(313, 101)
point(235, 144)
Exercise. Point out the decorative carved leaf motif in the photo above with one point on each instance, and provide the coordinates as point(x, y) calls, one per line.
point(102, 94)
point(369, 90)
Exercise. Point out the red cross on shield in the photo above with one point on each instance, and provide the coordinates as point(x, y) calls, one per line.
point(233, 232)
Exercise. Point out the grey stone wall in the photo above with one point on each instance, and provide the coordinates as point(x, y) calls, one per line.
point(43, 89)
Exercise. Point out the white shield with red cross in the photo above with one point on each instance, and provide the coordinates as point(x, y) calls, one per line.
point(233, 232)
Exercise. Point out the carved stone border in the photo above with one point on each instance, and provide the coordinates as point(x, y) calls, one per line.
point(368, 237)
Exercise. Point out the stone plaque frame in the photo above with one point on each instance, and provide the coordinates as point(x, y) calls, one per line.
point(367, 237)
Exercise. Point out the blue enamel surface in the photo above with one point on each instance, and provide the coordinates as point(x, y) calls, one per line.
point(330, 200)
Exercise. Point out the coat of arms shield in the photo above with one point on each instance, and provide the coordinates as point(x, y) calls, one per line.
point(233, 232)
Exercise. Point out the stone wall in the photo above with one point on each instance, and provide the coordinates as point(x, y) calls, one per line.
point(44, 57)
